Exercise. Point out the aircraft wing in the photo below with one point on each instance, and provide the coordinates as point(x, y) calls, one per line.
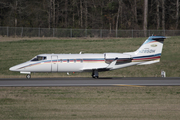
point(109, 67)
point(112, 64)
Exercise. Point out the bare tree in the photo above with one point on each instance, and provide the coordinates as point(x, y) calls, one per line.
point(53, 12)
point(177, 13)
point(157, 14)
point(86, 14)
point(73, 12)
point(117, 20)
point(135, 11)
point(163, 14)
point(49, 14)
point(145, 16)
point(81, 9)
point(66, 13)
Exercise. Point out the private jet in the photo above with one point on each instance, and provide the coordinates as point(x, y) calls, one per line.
point(148, 53)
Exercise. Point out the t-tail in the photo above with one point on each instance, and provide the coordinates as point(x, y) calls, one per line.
point(149, 52)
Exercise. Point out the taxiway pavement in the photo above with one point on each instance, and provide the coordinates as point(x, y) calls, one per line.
point(49, 82)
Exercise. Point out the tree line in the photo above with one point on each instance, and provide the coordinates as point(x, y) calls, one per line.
point(91, 14)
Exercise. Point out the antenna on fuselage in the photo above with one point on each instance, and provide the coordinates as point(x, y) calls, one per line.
point(80, 52)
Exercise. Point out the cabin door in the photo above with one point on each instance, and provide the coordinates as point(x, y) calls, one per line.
point(54, 63)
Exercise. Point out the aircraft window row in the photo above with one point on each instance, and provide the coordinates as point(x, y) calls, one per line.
point(39, 58)
point(71, 60)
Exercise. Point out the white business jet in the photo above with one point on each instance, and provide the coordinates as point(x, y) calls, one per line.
point(148, 53)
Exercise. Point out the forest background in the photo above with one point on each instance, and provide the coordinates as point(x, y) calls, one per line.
point(91, 14)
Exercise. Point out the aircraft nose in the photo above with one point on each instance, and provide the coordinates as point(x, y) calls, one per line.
point(19, 67)
point(13, 68)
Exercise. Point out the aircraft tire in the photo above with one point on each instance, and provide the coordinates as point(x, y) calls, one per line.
point(95, 77)
point(28, 76)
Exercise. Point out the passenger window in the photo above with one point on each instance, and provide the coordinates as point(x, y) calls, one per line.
point(74, 60)
point(81, 60)
point(60, 60)
point(67, 60)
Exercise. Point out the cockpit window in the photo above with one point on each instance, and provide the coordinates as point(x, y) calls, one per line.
point(38, 58)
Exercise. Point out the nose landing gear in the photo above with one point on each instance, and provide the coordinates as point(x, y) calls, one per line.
point(28, 74)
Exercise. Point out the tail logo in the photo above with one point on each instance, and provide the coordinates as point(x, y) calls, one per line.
point(153, 45)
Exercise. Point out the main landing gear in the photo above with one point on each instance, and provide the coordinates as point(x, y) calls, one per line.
point(95, 74)
point(28, 76)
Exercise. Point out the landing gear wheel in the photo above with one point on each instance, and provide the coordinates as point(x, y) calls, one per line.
point(95, 74)
point(96, 77)
point(28, 76)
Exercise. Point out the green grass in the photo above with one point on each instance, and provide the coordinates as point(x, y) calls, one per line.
point(101, 103)
point(15, 52)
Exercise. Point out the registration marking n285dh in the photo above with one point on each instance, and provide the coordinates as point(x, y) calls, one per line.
point(147, 51)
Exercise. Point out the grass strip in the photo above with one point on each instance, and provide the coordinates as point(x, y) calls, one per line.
point(90, 103)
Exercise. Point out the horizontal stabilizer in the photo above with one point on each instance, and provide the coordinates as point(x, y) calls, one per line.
point(158, 38)
point(149, 62)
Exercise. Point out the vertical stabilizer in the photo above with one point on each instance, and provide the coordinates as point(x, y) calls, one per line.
point(150, 51)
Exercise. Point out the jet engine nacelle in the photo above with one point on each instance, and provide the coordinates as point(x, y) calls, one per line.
point(121, 58)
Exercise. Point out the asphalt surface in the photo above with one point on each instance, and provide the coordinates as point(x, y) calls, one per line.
point(49, 82)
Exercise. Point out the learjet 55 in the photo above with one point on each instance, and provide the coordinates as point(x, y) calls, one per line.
point(149, 53)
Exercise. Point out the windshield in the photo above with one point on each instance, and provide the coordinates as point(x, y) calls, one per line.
point(38, 58)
